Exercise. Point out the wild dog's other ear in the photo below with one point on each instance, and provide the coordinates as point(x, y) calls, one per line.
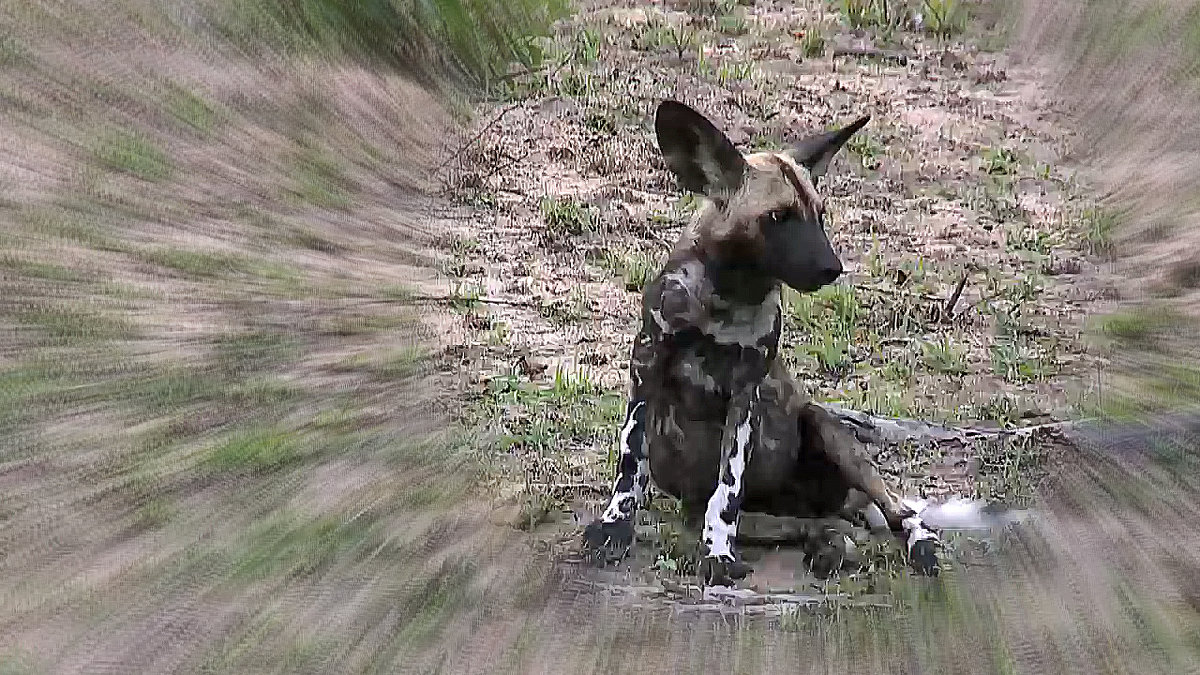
point(815, 152)
point(703, 158)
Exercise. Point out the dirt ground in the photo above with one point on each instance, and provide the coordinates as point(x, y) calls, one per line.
point(299, 375)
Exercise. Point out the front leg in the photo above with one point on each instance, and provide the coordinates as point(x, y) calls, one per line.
point(720, 566)
point(670, 305)
point(611, 536)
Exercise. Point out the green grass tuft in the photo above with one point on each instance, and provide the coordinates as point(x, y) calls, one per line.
point(133, 153)
point(566, 216)
point(475, 41)
point(196, 263)
point(255, 451)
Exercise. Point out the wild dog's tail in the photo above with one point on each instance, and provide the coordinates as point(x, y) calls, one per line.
point(965, 514)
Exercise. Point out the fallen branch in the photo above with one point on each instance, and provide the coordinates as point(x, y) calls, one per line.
point(478, 135)
point(948, 312)
point(447, 299)
point(885, 54)
point(894, 431)
point(725, 600)
point(894, 290)
point(557, 488)
point(496, 120)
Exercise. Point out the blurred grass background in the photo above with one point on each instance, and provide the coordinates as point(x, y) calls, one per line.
point(1127, 74)
point(229, 436)
point(473, 43)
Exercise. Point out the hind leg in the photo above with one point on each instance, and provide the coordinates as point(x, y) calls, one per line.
point(822, 433)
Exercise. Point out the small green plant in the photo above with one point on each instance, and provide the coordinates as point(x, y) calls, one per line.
point(682, 38)
point(652, 36)
point(191, 110)
point(742, 71)
point(898, 370)
point(69, 325)
point(830, 318)
point(1099, 226)
point(255, 451)
point(565, 216)
point(665, 564)
point(578, 84)
point(574, 308)
point(498, 335)
point(636, 267)
point(41, 270)
point(831, 353)
point(677, 554)
point(320, 180)
point(704, 66)
point(464, 296)
point(600, 123)
point(396, 364)
point(475, 41)
point(733, 23)
point(867, 148)
point(257, 350)
point(999, 408)
point(944, 356)
point(196, 263)
point(1016, 360)
point(1000, 162)
point(878, 397)
point(812, 43)
point(1022, 237)
point(1008, 473)
point(587, 44)
point(465, 246)
point(861, 14)
point(769, 141)
point(1137, 327)
point(154, 513)
point(658, 35)
point(944, 17)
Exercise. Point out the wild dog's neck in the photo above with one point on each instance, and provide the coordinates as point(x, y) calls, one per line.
point(735, 281)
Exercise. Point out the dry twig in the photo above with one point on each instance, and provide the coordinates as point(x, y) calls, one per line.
point(948, 311)
point(885, 54)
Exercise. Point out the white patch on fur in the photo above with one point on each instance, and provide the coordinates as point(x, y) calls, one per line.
point(718, 534)
point(714, 175)
point(917, 531)
point(968, 514)
point(658, 319)
point(875, 517)
point(693, 373)
point(746, 325)
point(614, 512)
point(914, 525)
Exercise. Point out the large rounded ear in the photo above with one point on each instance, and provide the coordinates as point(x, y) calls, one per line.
point(702, 157)
point(815, 152)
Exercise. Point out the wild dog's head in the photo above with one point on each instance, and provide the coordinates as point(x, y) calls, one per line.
point(765, 214)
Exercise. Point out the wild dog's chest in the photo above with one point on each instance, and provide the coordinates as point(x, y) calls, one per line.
point(732, 325)
point(734, 347)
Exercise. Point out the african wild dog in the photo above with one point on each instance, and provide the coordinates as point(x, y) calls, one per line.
point(713, 416)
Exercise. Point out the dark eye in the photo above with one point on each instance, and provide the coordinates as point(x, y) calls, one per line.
point(777, 216)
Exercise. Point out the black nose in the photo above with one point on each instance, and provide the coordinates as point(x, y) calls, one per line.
point(830, 274)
